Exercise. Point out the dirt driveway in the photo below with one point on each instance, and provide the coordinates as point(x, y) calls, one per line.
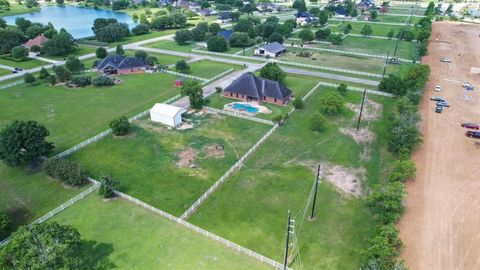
point(441, 226)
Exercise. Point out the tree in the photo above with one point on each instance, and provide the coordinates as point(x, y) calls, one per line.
point(323, 17)
point(108, 187)
point(430, 11)
point(29, 78)
point(101, 53)
point(331, 103)
point(386, 201)
point(60, 2)
point(306, 35)
point(3, 23)
point(249, 9)
point(60, 44)
point(315, 11)
point(9, 39)
point(43, 74)
point(35, 49)
point(46, 245)
point(298, 103)
point(23, 141)
point(214, 28)
point(120, 4)
point(217, 44)
point(353, 13)
point(19, 52)
point(199, 33)
point(392, 84)
point(74, 64)
point(152, 61)
point(66, 171)
point(182, 66)
point(109, 30)
point(402, 170)
point(382, 251)
point(317, 122)
point(62, 73)
point(240, 40)
point(52, 80)
point(423, 35)
point(373, 15)
point(141, 54)
point(4, 223)
point(141, 29)
point(403, 134)
point(49, 33)
point(120, 126)
point(347, 28)
point(34, 30)
point(322, 34)
point(390, 34)
point(102, 81)
point(80, 81)
point(408, 35)
point(182, 36)
point(243, 25)
point(22, 24)
point(278, 119)
point(273, 72)
point(366, 30)
point(342, 89)
point(119, 50)
point(193, 89)
point(299, 5)
point(335, 39)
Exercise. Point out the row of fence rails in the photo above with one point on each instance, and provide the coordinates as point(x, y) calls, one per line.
point(358, 89)
point(183, 75)
point(218, 76)
point(313, 41)
point(226, 175)
point(239, 115)
point(372, 36)
point(203, 232)
point(371, 22)
point(59, 209)
point(12, 84)
point(230, 55)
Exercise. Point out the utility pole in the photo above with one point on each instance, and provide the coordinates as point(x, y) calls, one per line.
point(361, 108)
point(287, 244)
point(385, 65)
point(407, 23)
point(317, 181)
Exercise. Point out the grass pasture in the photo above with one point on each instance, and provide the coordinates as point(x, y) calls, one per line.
point(171, 45)
point(27, 64)
point(16, 8)
point(279, 177)
point(74, 115)
point(123, 235)
point(378, 29)
point(209, 69)
point(406, 10)
point(153, 163)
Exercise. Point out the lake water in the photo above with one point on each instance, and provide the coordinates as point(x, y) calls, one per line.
point(78, 21)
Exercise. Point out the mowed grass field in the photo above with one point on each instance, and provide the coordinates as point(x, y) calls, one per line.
point(146, 161)
point(26, 195)
point(300, 85)
point(16, 8)
point(280, 176)
point(171, 45)
point(209, 69)
point(118, 234)
point(74, 115)
point(378, 29)
point(27, 64)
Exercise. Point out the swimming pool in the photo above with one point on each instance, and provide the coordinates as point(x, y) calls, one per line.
point(244, 107)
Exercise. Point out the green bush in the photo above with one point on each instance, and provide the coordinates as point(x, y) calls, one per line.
point(43, 74)
point(402, 170)
point(298, 103)
point(383, 249)
point(120, 126)
point(80, 81)
point(386, 201)
point(102, 81)
point(317, 122)
point(4, 223)
point(108, 187)
point(331, 103)
point(29, 78)
point(66, 171)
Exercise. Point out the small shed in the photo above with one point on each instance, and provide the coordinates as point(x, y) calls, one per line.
point(179, 82)
point(273, 49)
point(167, 114)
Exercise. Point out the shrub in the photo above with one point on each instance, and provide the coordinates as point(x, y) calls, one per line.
point(66, 171)
point(277, 119)
point(402, 170)
point(141, 54)
point(217, 44)
point(81, 81)
point(404, 135)
point(43, 74)
point(317, 122)
point(120, 126)
point(382, 251)
point(335, 39)
point(62, 73)
point(29, 78)
point(102, 81)
point(4, 223)
point(342, 89)
point(108, 186)
point(182, 66)
point(386, 201)
point(298, 103)
point(101, 53)
point(141, 29)
point(19, 52)
point(52, 80)
point(272, 71)
point(331, 103)
point(35, 49)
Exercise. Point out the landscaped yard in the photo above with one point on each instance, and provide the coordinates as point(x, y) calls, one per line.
point(154, 163)
point(133, 38)
point(280, 176)
point(209, 69)
point(27, 64)
point(171, 45)
point(80, 50)
point(131, 237)
point(28, 195)
point(74, 115)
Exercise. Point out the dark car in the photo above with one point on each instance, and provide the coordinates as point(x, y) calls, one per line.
point(443, 104)
point(18, 69)
point(473, 134)
point(436, 98)
point(471, 126)
point(438, 109)
point(14, 71)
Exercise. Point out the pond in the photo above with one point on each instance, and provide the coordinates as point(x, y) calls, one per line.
point(78, 21)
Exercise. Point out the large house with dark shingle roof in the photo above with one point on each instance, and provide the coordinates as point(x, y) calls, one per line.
point(119, 64)
point(248, 87)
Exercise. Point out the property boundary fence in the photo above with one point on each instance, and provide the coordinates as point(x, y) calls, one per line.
point(59, 209)
point(239, 115)
point(12, 84)
point(370, 22)
point(359, 89)
point(183, 75)
point(218, 76)
point(107, 132)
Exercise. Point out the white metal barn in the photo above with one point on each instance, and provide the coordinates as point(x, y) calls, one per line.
point(167, 114)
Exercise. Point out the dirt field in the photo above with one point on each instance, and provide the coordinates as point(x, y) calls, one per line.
point(441, 227)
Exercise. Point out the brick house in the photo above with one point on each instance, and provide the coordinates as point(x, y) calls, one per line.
point(248, 87)
point(119, 64)
point(38, 41)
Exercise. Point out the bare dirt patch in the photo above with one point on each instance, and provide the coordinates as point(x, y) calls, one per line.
point(347, 180)
point(362, 136)
point(187, 157)
point(214, 151)
point(371, 109)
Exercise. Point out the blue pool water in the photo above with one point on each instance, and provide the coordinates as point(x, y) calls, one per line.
point(245, 107)
point(78, 21)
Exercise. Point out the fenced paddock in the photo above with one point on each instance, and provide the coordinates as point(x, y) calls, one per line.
point(239, 115)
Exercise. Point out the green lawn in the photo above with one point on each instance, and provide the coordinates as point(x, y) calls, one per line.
point(171, 45)
point(400, 10)
point(28, 195)
point(152, 34)
point(80, 50)
point(145, 162)
point(4, 72)
point(74, 115)
point(164, 59)
point(391, 19)
point(131, 237)
point(16, 9)
point(300, 85)
point(279, 177)
point(27, 64)
point(209, 69)
point(378, 29)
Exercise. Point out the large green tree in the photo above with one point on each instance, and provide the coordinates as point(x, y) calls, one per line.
point(23, 141)
point(272, 71)
point(9, 39)
point(60, 44)
point(193, 89)
point(217, 44)
point(74, 64)
point(331, 102)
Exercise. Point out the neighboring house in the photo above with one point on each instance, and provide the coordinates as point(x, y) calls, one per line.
point(365, 5)
point(167, 114)
point(273, 49)
point(162, 3)
point(38, 41)
point(226, 34)
point(304, 18)
point(119, 64)
point(224, 17)
point(340, 12)
point(207, 12)
point(248, 87)
point(267, 7)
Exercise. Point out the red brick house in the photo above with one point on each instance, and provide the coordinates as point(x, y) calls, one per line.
point(38, 41)
point(248, 87)
point(119, 64)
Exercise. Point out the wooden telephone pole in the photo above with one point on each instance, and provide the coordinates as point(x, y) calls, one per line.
point(317, 181)
point(361, 108)
point(287, 244)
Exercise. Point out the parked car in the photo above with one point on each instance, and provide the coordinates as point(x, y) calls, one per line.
point(445, 60)
point(18, 69)
point(471, 126)
point(438, 109)
point(437, 98)
point(14, 71)
point(438, 88)
point(443, 104)
point(473, 134)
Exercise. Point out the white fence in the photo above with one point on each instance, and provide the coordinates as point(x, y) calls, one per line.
point(358, 89)
point(206, 233)
point(59, 209)
point(12, 84)
point(370, 22)
point(239, 115)
point(183, 75)
point(218, 76)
